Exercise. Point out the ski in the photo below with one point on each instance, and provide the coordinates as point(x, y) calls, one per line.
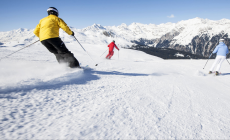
point(84, 67)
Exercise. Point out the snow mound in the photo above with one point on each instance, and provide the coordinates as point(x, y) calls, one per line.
point(30, 74)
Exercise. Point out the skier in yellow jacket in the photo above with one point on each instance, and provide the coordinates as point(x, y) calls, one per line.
point(48, 32)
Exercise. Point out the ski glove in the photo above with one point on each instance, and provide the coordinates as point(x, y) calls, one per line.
point(72, 33)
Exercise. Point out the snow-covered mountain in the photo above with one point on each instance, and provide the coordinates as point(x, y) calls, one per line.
point(197, 36)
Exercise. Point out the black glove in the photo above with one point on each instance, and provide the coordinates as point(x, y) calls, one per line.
point(72, 33)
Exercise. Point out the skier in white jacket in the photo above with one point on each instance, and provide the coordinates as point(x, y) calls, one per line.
point(222, 51)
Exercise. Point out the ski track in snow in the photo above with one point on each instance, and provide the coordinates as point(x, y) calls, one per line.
point(137, 96)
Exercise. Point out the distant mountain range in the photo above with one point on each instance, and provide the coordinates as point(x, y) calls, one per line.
point(195, 36)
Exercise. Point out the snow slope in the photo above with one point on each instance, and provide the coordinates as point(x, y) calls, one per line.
point(131, 96)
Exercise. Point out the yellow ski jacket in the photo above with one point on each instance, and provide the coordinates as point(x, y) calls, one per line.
point(49, 26)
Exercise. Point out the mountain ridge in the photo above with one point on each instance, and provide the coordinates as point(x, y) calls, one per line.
point(186, 35)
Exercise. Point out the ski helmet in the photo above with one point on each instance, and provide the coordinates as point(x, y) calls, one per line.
point(52, 11)
point(221, 40)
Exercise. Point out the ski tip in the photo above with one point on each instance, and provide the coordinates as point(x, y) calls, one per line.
point(85, 67)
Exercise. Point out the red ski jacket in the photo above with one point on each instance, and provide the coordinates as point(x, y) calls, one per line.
point(112, 45)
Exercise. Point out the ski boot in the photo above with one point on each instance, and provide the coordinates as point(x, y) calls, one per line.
point(217, 73)
point(210, 72)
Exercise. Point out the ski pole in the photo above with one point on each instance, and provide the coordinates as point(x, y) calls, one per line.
point(104, 52)
point(118, 55)
point(18, 50)
point(207, 60)
point(228, 61)
point(84, 49)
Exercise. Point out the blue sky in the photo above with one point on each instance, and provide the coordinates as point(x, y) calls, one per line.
point(15, 14)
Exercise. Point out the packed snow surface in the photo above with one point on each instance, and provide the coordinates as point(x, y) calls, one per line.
point(132, 96)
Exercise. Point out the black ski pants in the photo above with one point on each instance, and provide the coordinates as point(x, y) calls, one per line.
point(58, 48)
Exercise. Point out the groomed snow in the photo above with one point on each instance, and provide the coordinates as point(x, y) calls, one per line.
point(132, 96)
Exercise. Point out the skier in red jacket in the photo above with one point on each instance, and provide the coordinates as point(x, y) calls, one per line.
point(111, 48)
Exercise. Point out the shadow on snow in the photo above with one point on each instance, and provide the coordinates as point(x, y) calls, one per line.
point(225, 73)
point(61, 81)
